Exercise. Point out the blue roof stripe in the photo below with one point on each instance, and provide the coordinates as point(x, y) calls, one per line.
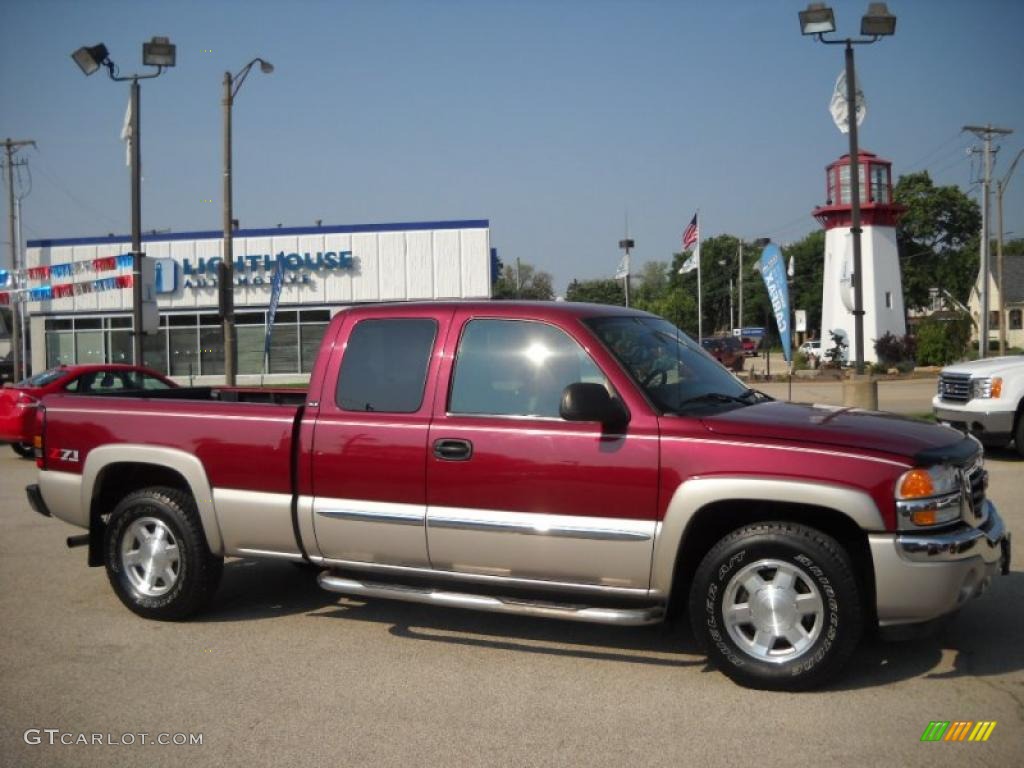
point(338, 229)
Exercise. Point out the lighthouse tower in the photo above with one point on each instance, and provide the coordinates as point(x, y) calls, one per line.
point(882, 288)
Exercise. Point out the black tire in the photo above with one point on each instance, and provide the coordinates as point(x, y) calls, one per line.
point(156, 555)
point(823, 609)
point(24, 450)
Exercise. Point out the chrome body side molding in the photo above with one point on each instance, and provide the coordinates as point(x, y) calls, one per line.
point(695, 494)
point(607, 552)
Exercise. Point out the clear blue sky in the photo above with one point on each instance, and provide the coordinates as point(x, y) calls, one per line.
point(551, 118)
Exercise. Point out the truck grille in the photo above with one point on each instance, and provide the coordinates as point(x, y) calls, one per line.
point(955, 386)
point(978, 478)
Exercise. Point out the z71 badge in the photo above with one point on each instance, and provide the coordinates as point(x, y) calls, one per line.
point(64, 454)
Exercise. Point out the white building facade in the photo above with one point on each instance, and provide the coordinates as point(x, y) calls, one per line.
point(80, 302)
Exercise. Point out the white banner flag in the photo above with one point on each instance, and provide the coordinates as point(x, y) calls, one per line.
point(126, 134)
point(840, 109)
point(691, 263)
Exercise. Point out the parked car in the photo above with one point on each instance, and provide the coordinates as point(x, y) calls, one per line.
point(18, 401)
point(812, 349)
point(728, 350)
point(986, 398)
point(561, 460)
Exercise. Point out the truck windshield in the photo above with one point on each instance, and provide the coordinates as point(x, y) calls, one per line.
point(675, 373)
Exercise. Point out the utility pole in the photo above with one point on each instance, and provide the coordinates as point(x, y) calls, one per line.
point(739, 268)
point(1000, 188)
point(985, 133)
point(12, 146)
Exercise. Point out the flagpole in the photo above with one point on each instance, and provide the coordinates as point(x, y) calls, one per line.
point(700, 312)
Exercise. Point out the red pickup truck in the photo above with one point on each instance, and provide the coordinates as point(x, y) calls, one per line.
point(562, 460)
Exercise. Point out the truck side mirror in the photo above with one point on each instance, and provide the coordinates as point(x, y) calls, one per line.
point(591, 402)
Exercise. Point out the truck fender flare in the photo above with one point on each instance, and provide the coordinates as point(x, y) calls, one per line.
point(185, 464)
point(693, 495)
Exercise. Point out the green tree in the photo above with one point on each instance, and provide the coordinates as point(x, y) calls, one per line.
point(937, 237)
point(808, 275)
point(529, 283)
point(651, 283)
point(604, 291)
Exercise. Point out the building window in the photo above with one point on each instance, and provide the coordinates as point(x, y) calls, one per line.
point(1015, 319)
point(191, 343)
point(993, 319)
point(844, 184)
point(888, 300)
point(879, 183)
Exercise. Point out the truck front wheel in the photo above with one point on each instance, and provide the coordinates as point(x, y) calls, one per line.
point(156, 555)
point(777, 606)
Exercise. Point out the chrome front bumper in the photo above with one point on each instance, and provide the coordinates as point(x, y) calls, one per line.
point(921, 577)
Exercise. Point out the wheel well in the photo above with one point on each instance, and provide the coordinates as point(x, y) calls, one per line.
point(131, 476)
point(711, 523)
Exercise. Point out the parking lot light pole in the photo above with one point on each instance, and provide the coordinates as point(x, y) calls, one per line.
point(819, 20)
point(159, 53)
point(227, 273)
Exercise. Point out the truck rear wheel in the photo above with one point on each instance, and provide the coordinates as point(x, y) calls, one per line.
point(156, 555)
point(777, 606)
point(24, 450)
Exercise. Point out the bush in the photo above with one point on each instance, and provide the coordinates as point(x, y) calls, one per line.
point(943, 341)
point(892, 351)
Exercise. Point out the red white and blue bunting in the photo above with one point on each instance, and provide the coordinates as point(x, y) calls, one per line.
point(20, 281)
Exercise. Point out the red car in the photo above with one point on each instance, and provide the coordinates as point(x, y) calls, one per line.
point(18, 401)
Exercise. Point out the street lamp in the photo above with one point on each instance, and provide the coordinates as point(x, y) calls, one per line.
point(819, 20)
point(159, 53)
point(226, 276)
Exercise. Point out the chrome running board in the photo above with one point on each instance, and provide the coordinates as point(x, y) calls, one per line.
point(626, 617)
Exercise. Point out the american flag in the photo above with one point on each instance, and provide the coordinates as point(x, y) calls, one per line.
point(691, 234)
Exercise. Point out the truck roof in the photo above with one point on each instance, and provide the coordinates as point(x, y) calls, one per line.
point(534, 309)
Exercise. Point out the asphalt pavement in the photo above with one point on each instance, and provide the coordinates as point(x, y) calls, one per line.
point(280, 672)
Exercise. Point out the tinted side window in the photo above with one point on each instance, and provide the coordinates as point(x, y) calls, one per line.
point(385, 365)
point(517, 368)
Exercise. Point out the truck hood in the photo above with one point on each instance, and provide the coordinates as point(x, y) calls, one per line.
point(989, 366)
point(847, 428)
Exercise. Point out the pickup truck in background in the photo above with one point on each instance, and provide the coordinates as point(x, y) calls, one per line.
point(986, 398)
point(562, 460)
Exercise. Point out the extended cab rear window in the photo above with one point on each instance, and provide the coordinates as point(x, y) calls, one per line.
point(385, 365)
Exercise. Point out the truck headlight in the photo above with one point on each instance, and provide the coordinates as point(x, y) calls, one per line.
point(987, 387)
point(929, 497)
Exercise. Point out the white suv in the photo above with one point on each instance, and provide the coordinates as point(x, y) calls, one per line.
point(985, 398)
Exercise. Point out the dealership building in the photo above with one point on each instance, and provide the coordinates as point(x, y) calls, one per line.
point(79, 292)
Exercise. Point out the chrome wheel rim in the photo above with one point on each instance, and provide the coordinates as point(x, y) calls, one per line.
point(150, 557)
point(773, 611)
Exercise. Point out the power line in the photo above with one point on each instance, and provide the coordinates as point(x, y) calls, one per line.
point(73, 197)
point(928, 156)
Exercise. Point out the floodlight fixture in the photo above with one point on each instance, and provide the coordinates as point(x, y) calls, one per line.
point(818, 19)
point(91, 57)
point(158, 52)
point(878, 22)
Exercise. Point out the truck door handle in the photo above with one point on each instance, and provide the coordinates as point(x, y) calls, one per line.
point(450, 449)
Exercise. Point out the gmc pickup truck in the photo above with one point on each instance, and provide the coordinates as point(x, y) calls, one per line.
point(986, 398)
point(561, 460)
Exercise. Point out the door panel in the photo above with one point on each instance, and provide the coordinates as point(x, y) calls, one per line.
point(368, 464)
point(539, 497)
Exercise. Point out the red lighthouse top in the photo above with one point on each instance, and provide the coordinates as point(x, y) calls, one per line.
point(876, 205)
